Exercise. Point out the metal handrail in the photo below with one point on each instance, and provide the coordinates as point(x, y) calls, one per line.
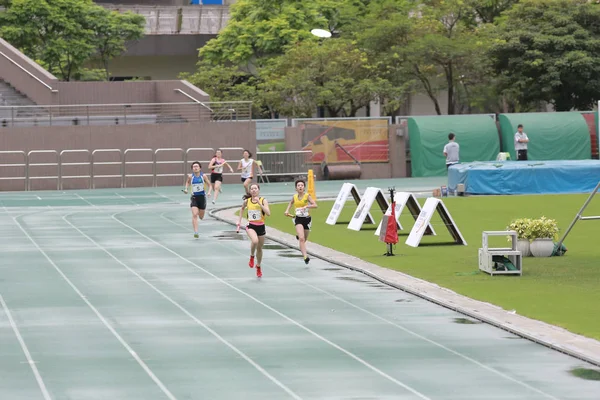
point(61, 164)
point(29, 73)
point(24, 178)
point(122, 162)
point(156, 162)
point(119, 163)
point(125, 163)
point(192, 98)
point(56, 164)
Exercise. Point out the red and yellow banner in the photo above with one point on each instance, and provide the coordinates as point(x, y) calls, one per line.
point(342, 141)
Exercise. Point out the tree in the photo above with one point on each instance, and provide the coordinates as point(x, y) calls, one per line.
point(111, 30)
point(260, 29)
point(548, 50)
point(63, 34)
point(336, 75)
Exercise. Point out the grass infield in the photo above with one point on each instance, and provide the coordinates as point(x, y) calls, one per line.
point(563, 291)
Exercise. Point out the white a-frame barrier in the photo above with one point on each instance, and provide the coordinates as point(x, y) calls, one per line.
point(409, 200)
point(431, 206)
point(371, 194)
point(346, 190)
point(579, 215)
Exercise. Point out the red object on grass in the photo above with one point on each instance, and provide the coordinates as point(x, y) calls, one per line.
point(391, 233)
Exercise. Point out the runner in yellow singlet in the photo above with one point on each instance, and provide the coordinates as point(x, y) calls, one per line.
point(257, 209)
point(302, 202)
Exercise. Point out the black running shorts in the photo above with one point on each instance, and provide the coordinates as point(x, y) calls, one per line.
point(198, 202)
point(260, 230)
point(216, 177)
point(304, 221)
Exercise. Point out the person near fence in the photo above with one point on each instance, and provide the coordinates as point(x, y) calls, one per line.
point(257, 209)
point(521, 141)
point(198, 185)
point(216, 175)
point(301, 202)
point(246, 165)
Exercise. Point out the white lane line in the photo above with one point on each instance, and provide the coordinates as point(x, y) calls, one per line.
point(415, 334)
point(99, 315)
point(129, 200)
point(30, 361)
point(78, 196)
point(338, 347)
point(189, 314)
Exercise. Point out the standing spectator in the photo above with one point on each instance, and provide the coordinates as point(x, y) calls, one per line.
point(521, 141)
point(451, 150)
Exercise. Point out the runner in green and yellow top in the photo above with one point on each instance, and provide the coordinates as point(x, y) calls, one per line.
point(302, 221)
point(258, 209)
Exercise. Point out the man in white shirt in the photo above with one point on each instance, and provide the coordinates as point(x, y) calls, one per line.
point(451, 150)
point(521, 141)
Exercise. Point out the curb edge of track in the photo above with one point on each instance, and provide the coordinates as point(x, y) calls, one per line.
point(475, 315)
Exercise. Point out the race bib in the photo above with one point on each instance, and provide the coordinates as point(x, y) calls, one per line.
point(197, 187)
point(254, 215)
point(301, 212)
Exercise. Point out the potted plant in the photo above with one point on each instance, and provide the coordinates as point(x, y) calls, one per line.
point(521, 226)
point(543, 231)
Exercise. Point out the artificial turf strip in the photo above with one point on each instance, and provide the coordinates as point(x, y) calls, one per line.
point(563, 291)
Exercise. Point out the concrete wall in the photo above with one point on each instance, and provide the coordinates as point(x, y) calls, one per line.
point(395, 168)
point(194, 135)
point(26, 76)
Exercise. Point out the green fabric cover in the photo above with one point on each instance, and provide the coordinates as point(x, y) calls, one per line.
point(477, 136)
point(552, 136)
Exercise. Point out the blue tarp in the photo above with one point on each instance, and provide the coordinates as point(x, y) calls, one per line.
point(526, 177)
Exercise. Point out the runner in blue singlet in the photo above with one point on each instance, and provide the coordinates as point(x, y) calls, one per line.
point(198, 185)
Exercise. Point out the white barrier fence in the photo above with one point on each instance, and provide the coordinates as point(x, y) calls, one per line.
point(422, 216)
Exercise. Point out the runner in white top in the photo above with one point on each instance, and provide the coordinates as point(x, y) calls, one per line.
point(246, 165)
point(216, 176)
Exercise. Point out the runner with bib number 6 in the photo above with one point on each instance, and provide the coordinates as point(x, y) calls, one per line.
point(257, 208)
point(302, 221)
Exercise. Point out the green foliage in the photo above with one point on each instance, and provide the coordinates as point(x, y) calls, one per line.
point(547, 50)
point(542, 228)
point(259, 29)
point(521, 226)
point(64, 34)
point(336, 75)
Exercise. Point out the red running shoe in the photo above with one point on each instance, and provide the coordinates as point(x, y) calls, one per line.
point(251, 262)
point(258, 272)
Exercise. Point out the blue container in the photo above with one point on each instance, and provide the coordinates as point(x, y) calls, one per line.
point(195, 2)
point(212, 2)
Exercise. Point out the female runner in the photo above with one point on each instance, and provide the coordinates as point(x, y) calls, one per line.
point(258, 208)
point(246, 164)
point(302, 202)
point(198, 185)
point(216, 175)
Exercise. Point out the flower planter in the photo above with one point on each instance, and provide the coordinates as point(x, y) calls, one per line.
point(524, 247)
point(542, 247)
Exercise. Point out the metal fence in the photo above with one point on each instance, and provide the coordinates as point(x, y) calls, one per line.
point(284, 163)
point(123, 114)
point(120, 166)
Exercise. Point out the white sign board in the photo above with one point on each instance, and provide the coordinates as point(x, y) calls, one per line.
point(405, 199)
point(364, 208)
point(423, 221)
point(346, 190)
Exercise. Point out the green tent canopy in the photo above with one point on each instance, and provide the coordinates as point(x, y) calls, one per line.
point(477, 136)
point(552, 135)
